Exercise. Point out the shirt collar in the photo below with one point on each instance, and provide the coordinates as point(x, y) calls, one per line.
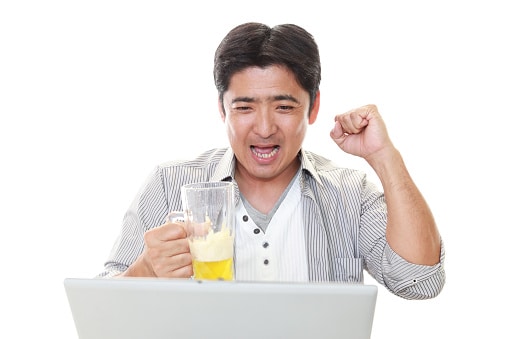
point(307, 166)
point(225, 168)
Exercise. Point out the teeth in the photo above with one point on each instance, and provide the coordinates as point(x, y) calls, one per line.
point(265, 155)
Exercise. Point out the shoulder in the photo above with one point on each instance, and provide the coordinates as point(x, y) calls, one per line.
point(207, 158)
point(335, 184)
point(212, 165)
point(327, 171)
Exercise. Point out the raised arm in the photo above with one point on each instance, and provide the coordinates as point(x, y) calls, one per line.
point(411, 230)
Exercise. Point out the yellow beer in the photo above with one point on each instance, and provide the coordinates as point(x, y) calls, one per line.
point(212, 253)
point(213, 270)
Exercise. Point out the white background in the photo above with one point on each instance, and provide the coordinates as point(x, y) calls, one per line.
point(94, 94)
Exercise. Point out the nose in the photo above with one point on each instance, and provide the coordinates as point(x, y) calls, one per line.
point(265, 124)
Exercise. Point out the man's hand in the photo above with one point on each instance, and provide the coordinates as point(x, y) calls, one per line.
point(166, 254)
point(361, 132)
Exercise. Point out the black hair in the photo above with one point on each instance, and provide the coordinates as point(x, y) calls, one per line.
point(255, 44)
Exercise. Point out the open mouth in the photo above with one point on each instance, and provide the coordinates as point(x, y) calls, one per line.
point(264, 152)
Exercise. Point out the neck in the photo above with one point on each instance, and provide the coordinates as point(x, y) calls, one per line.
point(263, 193)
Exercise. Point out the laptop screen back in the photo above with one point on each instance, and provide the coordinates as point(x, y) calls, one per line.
point(185, 309)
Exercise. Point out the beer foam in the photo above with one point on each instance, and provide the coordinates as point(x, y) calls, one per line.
point(214, 247)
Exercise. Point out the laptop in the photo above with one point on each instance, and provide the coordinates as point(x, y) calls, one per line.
point(187, 309)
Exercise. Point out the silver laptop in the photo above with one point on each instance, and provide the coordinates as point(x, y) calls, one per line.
point(188, 309)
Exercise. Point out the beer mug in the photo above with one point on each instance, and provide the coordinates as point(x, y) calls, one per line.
point(209, 218)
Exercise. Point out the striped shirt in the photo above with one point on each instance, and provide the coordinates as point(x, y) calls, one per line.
point(345, 217)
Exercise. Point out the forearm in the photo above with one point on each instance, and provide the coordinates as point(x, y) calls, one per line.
point(411, 230)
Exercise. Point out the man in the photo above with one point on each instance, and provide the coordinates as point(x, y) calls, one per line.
point(298, 217)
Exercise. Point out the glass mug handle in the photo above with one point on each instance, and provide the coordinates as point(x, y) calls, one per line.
point(175, 217)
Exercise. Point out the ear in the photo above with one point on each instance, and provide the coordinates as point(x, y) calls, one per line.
point(313, 114)
point(221, 108)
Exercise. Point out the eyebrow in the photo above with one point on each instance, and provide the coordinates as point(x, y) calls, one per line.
point(280, 97)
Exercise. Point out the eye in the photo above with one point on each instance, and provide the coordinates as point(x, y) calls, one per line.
point(242, 109)
point(284, 108)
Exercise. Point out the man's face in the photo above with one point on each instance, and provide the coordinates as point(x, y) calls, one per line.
point(267, 114)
